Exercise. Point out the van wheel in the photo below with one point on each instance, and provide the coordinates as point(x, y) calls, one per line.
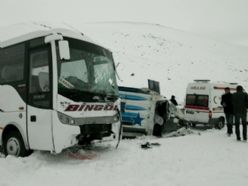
point(14, 145)
point(220, 124)
point(157, 130)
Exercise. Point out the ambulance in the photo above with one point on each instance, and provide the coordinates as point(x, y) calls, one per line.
point(202, 103)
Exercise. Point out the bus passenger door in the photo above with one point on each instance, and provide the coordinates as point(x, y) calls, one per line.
point(39, 109)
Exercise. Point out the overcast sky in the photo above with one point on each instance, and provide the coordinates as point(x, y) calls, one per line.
point(222, 19)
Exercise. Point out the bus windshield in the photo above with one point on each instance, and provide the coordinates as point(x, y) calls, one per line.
point(89, 75)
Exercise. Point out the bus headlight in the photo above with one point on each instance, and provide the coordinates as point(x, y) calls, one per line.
point(116, 118)
point(66, 119)
point(72, 121)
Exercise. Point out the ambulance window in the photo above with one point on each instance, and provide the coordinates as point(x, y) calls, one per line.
point(197, 100)
point(202, 100)
point(190, 99)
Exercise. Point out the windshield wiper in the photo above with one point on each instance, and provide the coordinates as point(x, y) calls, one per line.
point(86, 95)
point(111, 97)
point(81, 95)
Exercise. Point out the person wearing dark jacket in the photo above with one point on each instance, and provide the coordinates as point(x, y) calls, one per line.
point(226, 102)
point(173, 100)
point(239, 101)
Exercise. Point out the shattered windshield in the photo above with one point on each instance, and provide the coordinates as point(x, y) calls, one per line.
point(89, 75)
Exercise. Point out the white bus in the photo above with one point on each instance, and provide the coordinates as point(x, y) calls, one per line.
point(57, 89)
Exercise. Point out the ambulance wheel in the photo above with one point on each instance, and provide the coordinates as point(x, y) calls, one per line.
point(220, 124)
point(14, 145)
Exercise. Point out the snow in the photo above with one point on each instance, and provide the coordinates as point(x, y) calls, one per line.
point(172, 57)
point(201, 158)
point(192, 158)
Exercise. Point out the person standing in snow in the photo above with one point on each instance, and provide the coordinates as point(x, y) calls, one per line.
point(240, 102)
point(173, 100)
point(226, 102)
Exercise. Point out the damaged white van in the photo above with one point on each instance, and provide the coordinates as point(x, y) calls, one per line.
point(57, 88)
point(144, 112)
point(202, 104)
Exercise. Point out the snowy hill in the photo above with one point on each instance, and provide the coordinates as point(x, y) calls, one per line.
point(201, 157)
point(148, 51)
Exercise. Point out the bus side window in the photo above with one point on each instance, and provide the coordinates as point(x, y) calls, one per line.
point(39, 71)
point(43, 78)
point(39, 81)
point(12, 60)
point(12, 64)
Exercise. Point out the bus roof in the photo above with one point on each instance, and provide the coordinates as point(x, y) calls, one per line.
point(25, 31)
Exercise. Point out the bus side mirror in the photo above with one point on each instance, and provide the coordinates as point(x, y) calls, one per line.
point(64, 50)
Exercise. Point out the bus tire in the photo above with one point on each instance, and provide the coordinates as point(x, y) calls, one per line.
point(220, 124)
point(14, 145)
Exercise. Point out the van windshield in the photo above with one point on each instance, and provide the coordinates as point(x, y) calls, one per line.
point(89, 75)
point(196, 101)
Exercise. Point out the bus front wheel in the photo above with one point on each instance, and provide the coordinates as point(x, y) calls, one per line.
point(14, 145)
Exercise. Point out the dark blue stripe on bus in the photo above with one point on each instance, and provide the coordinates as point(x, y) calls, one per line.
point(133, 107)
point(132, 97)
point(131, 118)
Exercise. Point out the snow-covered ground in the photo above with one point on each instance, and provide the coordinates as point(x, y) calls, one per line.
point(201, 157)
